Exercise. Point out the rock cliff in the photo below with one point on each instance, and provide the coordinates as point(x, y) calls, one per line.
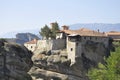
point(55, 65)
point(15, 61)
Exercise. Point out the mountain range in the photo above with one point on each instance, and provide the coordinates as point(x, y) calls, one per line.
point(102, 27)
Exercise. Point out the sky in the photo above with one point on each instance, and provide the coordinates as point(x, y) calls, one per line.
point(18, 15)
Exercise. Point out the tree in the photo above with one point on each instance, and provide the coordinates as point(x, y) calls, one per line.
point(54, 29)
point(109, 71)
point(45, 32)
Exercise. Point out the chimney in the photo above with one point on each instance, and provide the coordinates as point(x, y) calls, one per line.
point(65, 27)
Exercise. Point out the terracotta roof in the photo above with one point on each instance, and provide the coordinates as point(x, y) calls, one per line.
point(85, 32)
point(34, 41)
point(113, 33)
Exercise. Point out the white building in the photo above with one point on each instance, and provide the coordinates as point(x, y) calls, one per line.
point(31, 45)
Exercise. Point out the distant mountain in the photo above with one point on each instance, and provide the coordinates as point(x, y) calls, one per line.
point(103, 27)
point(21, 38)
point(13, 34)
point(25, 37)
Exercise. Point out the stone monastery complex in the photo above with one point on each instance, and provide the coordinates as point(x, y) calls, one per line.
point(73, 41)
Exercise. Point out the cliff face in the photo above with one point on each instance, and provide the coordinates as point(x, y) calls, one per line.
point(15, 61)
point(55, 65)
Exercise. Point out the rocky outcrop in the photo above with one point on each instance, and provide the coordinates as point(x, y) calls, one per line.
point(15, 61)
point(55, 65)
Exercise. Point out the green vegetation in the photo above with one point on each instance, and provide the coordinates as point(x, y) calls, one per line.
point(45, 32)
point(109, 71)
point(55, 28)
point(116, 44)
point(49, 33)
point(2, 40)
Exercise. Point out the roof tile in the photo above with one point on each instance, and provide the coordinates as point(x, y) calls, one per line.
point(34, 41)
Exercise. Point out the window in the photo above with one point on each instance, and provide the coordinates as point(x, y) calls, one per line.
point(96, 38)
point(71, 49)
point(76, 44)
point(84, 37)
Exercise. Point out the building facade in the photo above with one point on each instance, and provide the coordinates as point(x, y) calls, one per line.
point(114, 35)
point(31, 45)
point(74, 41)
point(77, 39)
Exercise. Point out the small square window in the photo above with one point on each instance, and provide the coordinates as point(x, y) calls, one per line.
point(71, 49)
point(96, 38)
point(76, 44)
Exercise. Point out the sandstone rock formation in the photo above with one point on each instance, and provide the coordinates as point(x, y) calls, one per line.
point(15, 61)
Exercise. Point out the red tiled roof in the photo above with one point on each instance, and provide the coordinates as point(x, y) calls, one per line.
point(114, 33)
point(34, 41)
point(85, 32)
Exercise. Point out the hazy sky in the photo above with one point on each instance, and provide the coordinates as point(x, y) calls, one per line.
point(30, 14)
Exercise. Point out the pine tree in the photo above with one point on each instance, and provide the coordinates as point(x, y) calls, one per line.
point(54, 29)
point(110, 71)
point(45, 32)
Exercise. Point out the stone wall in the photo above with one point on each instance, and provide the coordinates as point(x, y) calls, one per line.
point(58, 44)
point(46, 45)
point(104, 40)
